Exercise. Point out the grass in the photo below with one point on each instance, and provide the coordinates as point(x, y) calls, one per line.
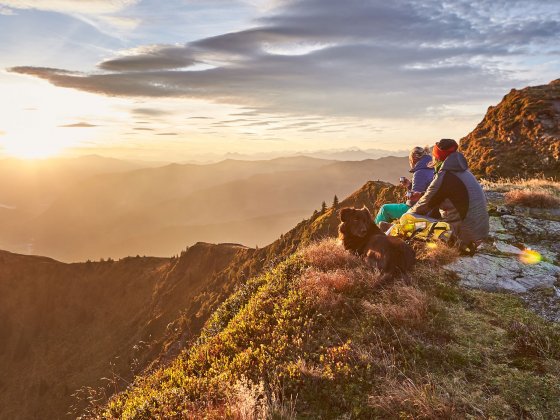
point(527, 198)
point(320, 336)
point(510, 184)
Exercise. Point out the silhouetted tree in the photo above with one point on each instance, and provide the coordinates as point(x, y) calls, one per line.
point(335, 202)
point(323, 207)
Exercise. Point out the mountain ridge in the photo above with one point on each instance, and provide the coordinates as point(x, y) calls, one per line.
point(519, 137)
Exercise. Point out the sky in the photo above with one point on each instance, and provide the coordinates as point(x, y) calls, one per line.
point(178, 80)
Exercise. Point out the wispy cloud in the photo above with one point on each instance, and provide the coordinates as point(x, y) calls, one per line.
point(71, 6)
point(98, 13)
point(360, 58)
point(78, 125)
point(149, 112)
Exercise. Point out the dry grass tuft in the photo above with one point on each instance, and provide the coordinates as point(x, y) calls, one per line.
point(329, 254)
point(326, 287)
point(539, 199)
point(532, 340)
point(401, 305)
point(332, 288)
point(436, 253)
point(517, 184)
point(411, 400)
point(251, 401)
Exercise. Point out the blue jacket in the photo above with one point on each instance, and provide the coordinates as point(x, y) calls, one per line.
point(422, 176)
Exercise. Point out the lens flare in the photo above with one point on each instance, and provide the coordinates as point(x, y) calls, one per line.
point(530, 256)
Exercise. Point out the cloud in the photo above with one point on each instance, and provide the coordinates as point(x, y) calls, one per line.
point(149, 112)
point(78, 125)
point(156, 57)
point(71, 6)
point(353, 58)
point(167, 134)
point(6, 11)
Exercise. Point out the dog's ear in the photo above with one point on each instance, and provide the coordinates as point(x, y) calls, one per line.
point(344, 214)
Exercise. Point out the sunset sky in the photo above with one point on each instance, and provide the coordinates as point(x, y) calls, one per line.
point(178, 79)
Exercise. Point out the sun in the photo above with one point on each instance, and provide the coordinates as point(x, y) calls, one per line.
point(31, 143)
point(31, 150)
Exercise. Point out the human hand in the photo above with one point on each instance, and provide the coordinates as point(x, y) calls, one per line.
point(415, 196)
point(405, 182)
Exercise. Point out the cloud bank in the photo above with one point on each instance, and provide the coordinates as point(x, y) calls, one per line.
point(372, 58)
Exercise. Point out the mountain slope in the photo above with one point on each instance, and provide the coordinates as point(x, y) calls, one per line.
point(520, 137)
point(63, 325)
point(322, 336)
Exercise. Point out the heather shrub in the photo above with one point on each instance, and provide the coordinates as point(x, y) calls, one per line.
point(329, 254)
point(539, 199)
point(403, 304)
point(334, 288)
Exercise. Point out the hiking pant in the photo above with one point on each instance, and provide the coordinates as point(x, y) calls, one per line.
point(390, 212)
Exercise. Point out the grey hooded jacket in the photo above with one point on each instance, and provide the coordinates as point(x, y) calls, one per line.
point(460, 199)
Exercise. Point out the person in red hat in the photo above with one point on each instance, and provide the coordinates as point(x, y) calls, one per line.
point(457, 195)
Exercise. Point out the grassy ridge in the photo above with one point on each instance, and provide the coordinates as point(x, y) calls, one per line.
point(322, 336)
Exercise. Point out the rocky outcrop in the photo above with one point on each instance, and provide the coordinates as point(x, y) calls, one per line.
point(518, 137)
point(522, 255)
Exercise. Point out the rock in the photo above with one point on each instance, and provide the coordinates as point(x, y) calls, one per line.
point(529, 227)
point(498, 230)
point(494, 273)
point(498, 266)
point(506, 248)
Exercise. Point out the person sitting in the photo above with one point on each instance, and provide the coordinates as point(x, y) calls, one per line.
point(422, 175)
point(457, 195)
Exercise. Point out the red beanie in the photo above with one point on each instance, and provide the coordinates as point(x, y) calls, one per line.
point(444, 148)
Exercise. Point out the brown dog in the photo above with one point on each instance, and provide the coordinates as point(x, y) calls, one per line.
point(360, 235)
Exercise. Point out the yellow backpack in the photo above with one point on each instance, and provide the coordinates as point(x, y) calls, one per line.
point(411, 226)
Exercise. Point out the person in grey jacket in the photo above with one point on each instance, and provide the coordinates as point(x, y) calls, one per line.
point(422, 175)
point(458, 196)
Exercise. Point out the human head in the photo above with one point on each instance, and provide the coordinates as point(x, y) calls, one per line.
point(444, 148)
point(416, 154)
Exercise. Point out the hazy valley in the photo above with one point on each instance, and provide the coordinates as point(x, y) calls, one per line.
point(80, 212)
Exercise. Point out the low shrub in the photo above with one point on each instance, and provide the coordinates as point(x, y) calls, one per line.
point(329, 254)
point(538, 199)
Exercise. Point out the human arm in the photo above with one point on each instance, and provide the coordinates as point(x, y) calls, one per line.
point(431, 198)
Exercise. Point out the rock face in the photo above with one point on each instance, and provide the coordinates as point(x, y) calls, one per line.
point(521, 256)
point(518, 137)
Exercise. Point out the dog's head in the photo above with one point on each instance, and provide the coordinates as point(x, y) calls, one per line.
point(355, 222)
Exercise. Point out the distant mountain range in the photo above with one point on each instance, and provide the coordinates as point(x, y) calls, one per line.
point(351, 153)
point(75, 212)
